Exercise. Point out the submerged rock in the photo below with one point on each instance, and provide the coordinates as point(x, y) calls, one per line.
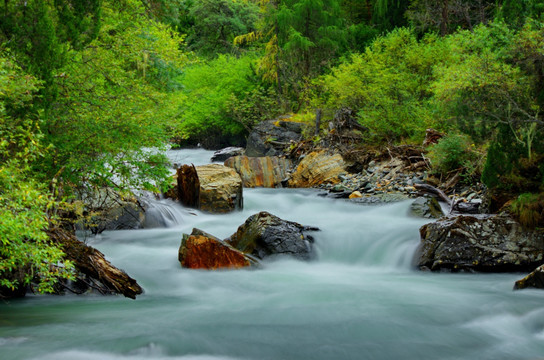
point(200, 250)
point(476, 243)
point(264, 235)
point(224, 154)
point(533, 280)
point(266, 172)
point(213, 188)
point(317, 168)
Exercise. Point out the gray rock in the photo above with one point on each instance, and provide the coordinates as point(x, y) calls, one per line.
point(479, 243)
point(224, 154)
point(270, 138)
point(533, 280)
point(426, 208)
point(264, 235)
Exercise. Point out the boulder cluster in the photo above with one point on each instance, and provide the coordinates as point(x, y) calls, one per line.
point(262, 236)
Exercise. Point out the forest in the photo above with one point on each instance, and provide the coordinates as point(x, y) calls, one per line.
point(91, 92)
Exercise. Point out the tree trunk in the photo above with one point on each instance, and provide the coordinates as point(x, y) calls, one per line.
point(445, 20)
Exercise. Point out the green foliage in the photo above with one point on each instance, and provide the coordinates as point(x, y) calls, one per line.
point(219, 93)
point(26, 255)
point(529, 209)
point(388, 85)
point(453, 152)
point(116, 99)
point(217, 23)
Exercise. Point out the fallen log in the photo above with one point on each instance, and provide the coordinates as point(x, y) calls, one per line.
point(454, 205)
point(93, 270)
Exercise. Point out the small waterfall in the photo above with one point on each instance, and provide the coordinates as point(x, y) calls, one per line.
point(162, 213)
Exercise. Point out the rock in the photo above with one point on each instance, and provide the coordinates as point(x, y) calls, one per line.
point(224, 154)
point(93, 268)
point(268, 172)
point(263, 235)
point(533, 280)
point(213, 188)
point(271, 138)
point(188, 186)
point(317, 168)
point(479, 243)
point(426, 208)
point(126, 215)
point(355, 195)
point(204, 251)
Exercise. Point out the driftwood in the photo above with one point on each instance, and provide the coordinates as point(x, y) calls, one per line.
point(455, 205)
point(94, 271)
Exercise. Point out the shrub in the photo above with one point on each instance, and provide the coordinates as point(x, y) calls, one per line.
point(529, 209)
point(453, 153)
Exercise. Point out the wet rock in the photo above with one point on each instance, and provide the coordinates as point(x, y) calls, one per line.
point(268, 172)
point(264, 235)
point(213, 188)
point(271, 138)
point(317, 168)
point(426, 207)
point(200, 250)
point(126, 215)
point(533, 280)
point(224, 154)
point(479, 243)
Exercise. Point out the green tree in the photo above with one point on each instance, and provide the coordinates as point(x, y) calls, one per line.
point(26, 254)
point(388, 85)
point(217, 23)
point(115, 100)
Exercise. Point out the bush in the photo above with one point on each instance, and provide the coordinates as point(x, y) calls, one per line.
point(453, 153)
point(529, 209)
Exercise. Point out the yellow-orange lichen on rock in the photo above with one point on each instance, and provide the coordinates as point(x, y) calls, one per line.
point(318, 168)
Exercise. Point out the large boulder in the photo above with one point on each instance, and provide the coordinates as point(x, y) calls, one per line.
point(200, 250)
point(533, 280)
point(479, 243)
point(318, 168)
point(264, 235)
point(271, 138)
point(267, 171)
point(224, 154)
point(213, 188)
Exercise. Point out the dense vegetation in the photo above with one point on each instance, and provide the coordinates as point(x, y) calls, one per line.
point(87, 88)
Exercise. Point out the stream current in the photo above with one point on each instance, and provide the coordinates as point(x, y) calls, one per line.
point(360, 299)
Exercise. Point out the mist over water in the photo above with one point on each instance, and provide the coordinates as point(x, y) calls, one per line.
point(360, 299)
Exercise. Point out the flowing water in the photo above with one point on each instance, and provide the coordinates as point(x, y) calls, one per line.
point(360, 299)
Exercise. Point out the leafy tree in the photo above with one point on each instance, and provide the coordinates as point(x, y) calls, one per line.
point(446, 16)
point(115, 91)
point(492, 88)
point(388, 85)
point(219, 93)
point(26, 254)
point(218, 22)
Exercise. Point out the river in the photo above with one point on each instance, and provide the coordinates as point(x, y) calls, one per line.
point(360, 299)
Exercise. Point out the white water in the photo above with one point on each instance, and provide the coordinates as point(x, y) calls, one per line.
point(359, 300)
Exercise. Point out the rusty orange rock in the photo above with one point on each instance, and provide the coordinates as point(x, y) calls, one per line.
point(203, 251)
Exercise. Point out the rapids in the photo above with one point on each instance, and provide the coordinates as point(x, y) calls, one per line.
point(361, 298)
